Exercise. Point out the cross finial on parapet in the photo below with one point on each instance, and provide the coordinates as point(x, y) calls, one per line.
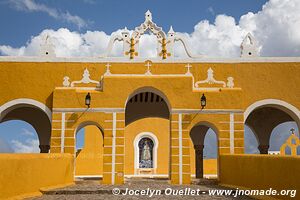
point(107, 69)
point(148, 65)
point(292, 130)
point(188, 66)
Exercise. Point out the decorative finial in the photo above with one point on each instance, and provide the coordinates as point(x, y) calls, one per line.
point(249, 47)
point(171, 30)
point(148, 16)
point(125, 30)
point(66, 82)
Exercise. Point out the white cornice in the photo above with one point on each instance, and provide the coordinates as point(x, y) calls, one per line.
point(142, 60)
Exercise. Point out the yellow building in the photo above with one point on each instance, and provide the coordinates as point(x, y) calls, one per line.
point(149, 116)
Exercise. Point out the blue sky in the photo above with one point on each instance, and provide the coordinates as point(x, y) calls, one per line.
point(110, 16)
point(214, 27)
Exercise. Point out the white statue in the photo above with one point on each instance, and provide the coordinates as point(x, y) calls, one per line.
point(146, 155)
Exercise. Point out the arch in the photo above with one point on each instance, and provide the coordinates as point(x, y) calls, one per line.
point(88, 123)
point(88, 161)
point(136, 148)
point(149, 89)
point(279, 104)
point(264, 115)
point(197, 134)
point(8, 106)
point(146, 102)
point(207, 124)
point(33, 112)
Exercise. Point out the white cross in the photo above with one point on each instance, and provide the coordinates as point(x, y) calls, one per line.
point(188, 66)
point(107, 69)
point(148, 65)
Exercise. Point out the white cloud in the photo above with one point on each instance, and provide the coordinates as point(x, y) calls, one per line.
point(275, 27)
point(4, 147)
point(26, 132)
point(28, 146)
point(32, 6)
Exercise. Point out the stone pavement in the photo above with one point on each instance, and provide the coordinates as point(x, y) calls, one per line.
point(91, 189)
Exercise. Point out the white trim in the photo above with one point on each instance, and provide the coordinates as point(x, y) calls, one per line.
point(113, 148)
point(62, 144)
point(137, 152)
point(173, 111)
point(231, 127)
point(108, 110)
point(279, 104)
point(214, 111)
point(88, 176)
point(18, 102)
point(180, 146)
point(142, 60)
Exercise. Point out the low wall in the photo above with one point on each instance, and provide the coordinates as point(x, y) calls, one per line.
point(261, 172)
point(210, 166)
point(24, 174)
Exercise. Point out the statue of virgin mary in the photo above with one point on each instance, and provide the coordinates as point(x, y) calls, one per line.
point(146, 155)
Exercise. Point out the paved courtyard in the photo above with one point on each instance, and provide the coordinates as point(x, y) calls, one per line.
point(91, 189)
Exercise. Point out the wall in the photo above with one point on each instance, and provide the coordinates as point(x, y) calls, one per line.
point(90, 159)
point(160, 128)
point(260, 172)
point(24, 174)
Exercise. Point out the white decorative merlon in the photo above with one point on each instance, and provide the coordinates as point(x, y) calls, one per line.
point(85, 79)
point(66, 82)
point(249, 47)
point(211, 80)
point(47, 48)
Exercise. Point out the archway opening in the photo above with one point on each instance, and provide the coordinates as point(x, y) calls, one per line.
point(147, 119)
point(146, 103)
point(27, 114)
point(204, 138)
point(89, 151)
point(263, 120)
point(280, 136)
point(18, 136)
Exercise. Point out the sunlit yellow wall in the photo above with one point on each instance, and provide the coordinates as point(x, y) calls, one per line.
point(90, 159)
point(210, 166)
point(24, 174)
point(255, 79)
point(261, 172)
point(160, 128)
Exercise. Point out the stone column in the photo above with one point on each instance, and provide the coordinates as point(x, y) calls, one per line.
point(199, 160)
point(44, 148)
point(263, 148)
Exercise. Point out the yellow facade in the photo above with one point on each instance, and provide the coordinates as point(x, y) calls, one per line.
point(254, 81)
point(151, 115)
